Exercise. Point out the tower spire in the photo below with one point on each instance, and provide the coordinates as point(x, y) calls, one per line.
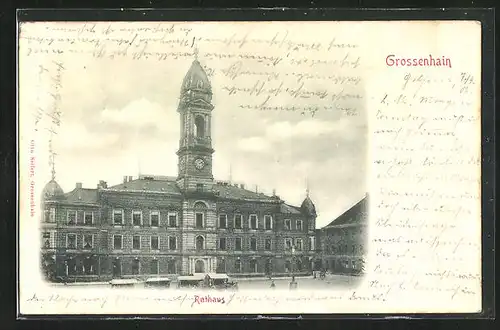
point(307, 187)
point(52, 161)
point(53, 165)
point(196, 53)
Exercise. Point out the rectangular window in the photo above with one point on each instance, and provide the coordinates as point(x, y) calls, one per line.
point(71, 241)
point(253, 244)
point(268, 222)
point(253, 221)
point(311, 243)
point(137, 218)
point(118, 217)
point(222, 221)
point(298, 244)
point(154, 243)
point(50, 215)
point(88, 241)
point(199, 220)
point(222, 243)
point(172, 219)
point(288, 224)
point(47, 240)
point(299, 225)
point(172, 243)
point(71, 217)
point(237, 221)
point(288, 243)
point(237, 244)
point(199, 187)
point(268, 244)
point(88, 218)
point(155, 218)
point(136, 243)
point(117, 242)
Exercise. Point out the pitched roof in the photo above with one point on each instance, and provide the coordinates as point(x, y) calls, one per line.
point(353, 215)
point(237, 192)
point(162, 186)
point(289, 209)
point(81, 196)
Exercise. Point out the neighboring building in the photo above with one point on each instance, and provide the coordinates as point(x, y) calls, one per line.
point(342, 242)
point(176, 225)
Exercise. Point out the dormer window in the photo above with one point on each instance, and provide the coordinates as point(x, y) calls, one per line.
point(199, 84)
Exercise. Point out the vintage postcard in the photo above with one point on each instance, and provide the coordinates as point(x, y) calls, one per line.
point(249, 167)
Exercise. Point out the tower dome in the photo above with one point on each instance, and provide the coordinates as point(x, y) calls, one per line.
point(308, 207)
point(52, 190)
point(196, 79)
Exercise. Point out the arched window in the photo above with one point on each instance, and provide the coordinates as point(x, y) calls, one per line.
point(135, 267)
point(199, 266)
point(221, 266)
point(171, 267)
point(154, 267)
point(288, 266)
point(199, 125)
point(299, 265)
point(269, 267)
point(237, 266)
point(199, 84)
point(253, 266)
point(200, 209)
point(200, 242)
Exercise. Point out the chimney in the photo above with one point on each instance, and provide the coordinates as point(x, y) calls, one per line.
point(242, 186)
point(102, 184)
point(78, 185)
point(129, 178)
point(124, 179)
point(274, 192)
point(256, 188)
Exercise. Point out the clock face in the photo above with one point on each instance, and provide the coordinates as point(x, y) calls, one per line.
point(199, 163)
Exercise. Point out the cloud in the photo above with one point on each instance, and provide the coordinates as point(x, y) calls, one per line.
point(253, 144)
point(74, 137)
point(139, 113)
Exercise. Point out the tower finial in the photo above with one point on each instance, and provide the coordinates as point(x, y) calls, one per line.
point(52, 161)
point(196, 52)
point(53, 164)
point(307, 187)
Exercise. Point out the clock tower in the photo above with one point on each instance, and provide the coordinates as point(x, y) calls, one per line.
point(195, 144)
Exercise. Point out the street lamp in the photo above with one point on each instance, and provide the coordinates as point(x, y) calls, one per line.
point(293, 284)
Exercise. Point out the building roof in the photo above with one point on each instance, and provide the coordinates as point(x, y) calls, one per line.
point(308, 207)
point(159, 185)
point(81, 196)
point(52, 190)
point(355, 215)
point(196, 79)
point(229, 191)
point(289, 209)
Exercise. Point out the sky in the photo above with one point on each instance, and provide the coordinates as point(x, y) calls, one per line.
point(119, 117)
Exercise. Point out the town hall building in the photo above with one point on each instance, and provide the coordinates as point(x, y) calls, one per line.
point(186, 224)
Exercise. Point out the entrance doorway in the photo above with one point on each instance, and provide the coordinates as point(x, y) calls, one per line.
point(117, 268)
point(199, 266)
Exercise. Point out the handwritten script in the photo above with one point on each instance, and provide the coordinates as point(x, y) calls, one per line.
point(313, 72)
point(424, 225)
